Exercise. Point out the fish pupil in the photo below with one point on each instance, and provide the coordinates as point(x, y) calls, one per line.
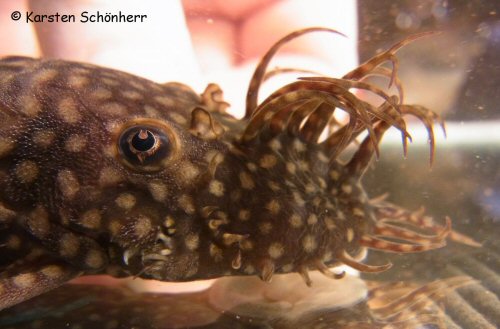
point(143, 141)
point(144, 148)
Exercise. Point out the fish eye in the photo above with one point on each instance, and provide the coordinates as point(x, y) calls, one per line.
point(144, 147)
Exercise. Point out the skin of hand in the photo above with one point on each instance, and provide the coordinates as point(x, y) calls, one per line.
point(190, 41)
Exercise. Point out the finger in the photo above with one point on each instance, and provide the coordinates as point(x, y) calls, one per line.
point(16, 36)
point(213, 41)
point(156, 46)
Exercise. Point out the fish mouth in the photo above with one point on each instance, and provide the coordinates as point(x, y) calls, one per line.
point(178, 268)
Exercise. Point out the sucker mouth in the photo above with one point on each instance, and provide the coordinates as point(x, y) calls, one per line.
point(162, 249)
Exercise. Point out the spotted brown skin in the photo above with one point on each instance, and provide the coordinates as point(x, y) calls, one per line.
point(105, 172)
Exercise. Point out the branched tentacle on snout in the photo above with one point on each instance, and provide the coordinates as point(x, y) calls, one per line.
point(389, 55)
point(335, 93)
point(389, 214)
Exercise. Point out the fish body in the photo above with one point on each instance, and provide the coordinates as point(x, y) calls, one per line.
point(103, 172)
